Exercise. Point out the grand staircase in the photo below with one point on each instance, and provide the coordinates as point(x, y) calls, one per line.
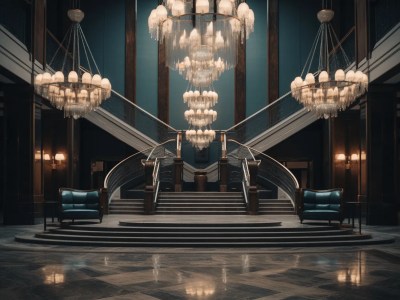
point(195, 234)
point(201, 203)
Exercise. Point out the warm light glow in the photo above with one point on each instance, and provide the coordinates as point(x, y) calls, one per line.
point(354, 273)
point(53, 274)
point(59, 157)
point(200, 288)
point(38, 155)
point(363, 155)
point(340, 157)
point(46, 156)
point(354, 157)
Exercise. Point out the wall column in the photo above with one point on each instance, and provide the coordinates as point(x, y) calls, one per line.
point(19, 154)
point(382, 177)
point(130, 50)
point(240, 83)
point(163, 85)
point(361, 30)
point(273, 50)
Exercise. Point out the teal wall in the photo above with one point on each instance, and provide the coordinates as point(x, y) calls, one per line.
point(104, 28)
point(298, 26)
point(256, 59)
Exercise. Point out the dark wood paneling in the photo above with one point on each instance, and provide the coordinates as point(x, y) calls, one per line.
point(273, 50)
point(130, 50)
point(39, 31)
point(361, 30)
point(19, 154)
point(381, 155)
point(163, 85)
point(240, 83)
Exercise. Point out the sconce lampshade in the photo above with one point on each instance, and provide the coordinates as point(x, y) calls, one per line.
point(59, 156)
point(340, 156)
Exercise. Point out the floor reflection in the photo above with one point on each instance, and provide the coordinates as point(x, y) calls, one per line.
point(355, 272)
point(53, 274)
point(312, 275)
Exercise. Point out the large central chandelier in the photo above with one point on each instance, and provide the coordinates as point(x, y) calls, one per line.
point(201, 42)
point(65, 83)
point(330, 88)
point(198, 34)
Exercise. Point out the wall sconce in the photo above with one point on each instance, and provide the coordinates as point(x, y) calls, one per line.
point(341, 157)
point(56, 160)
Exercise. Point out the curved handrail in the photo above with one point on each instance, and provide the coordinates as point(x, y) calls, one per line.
point(132, 163)
point(106, 180)
point(290, 188)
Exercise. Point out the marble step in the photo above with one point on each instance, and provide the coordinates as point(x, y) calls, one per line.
point(200, 212)
point(206, 241)
point(198, 238)
point(202, 233)
point(201, 194)
point(208, 244)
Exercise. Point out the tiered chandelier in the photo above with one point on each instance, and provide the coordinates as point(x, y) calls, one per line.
point(203, 31)
point(201, 41)
point(200, 116)
point(331, 89)
point(69, 88)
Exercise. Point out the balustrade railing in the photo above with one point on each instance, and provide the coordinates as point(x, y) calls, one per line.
point(268, 169)
point(131, 168)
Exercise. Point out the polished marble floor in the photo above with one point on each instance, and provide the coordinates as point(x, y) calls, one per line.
point(60, 272)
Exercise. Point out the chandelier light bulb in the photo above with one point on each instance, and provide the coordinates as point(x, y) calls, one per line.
point(340, 75)
point(178, 8)
point(202, 6)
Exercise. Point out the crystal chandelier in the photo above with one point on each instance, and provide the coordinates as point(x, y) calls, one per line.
point(200, 116)
point(69, 88)
point(200, 139)
point(202, 33)
point(201, 42)
point(331, 89)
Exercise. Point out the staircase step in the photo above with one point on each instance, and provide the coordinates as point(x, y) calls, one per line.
point(199, 239)
point(199, 212)
point(199, 204)
point(184, 232)
point(299, 243)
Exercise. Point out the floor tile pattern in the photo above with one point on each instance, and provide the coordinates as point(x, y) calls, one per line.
point(57, 272)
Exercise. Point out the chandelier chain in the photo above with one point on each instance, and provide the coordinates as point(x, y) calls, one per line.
point(90, 52)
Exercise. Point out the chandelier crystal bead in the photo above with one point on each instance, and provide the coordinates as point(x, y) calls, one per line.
point(328, 90)
point(75, 91)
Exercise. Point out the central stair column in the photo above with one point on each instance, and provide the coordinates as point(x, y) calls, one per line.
point(178, 164)
point(178, 169)
point(223, 166)
point(149, 188)
point(253, 193)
